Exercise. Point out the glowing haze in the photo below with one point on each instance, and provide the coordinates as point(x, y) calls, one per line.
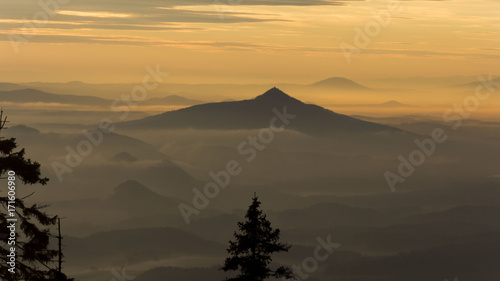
point(246, 42)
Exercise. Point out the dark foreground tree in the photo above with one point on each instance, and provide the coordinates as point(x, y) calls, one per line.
point(34, 259)
point(250, 253)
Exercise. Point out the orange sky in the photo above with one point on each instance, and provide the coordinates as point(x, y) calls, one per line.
point(214, 42)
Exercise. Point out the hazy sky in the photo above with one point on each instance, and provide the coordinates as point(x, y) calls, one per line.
point(244, 41)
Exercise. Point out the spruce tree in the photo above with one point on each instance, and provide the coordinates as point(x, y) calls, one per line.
point(34, 258)
point(250, 253)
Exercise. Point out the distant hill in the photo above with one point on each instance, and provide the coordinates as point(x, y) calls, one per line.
point(471, 261)
point(13, 93)
point(387, 104)
point(339, 83)
point(132, 246)
point(124, 157)
point(257, 113)
point(473, 214)
point(486, 194)
point(23, 130)
point(476, 83)
point(131, 205)
point(410, 252)
point(133, 193)
point(393, 103)
point(171, 100)
point(337, 215)
point(410, 237)
point(33, 95)
point(11, 87)
point(111, 145)
point(150, 166)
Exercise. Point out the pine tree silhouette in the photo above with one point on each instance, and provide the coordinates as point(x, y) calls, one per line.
point(251, 251)
point(34, 257)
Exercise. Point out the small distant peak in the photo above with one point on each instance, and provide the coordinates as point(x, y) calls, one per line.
point(394, 103)
point(124, 157)
point(23, 129)
point(75, 83)
point(337, 79)
point(275, 95)
point(130, 186)
point(338, 82)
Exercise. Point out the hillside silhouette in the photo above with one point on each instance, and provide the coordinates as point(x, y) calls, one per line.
point(255, 114)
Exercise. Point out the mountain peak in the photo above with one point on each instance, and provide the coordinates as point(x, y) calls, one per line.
point(23, 129)
point(339, 83)
point(256, 113)
point(275, 95)
point(131, 187)
point(392, 103)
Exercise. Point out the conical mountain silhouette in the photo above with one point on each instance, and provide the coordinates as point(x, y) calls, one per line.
point(134, 193)
point(257, 113)
point(132, 189)
point(275, 95)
